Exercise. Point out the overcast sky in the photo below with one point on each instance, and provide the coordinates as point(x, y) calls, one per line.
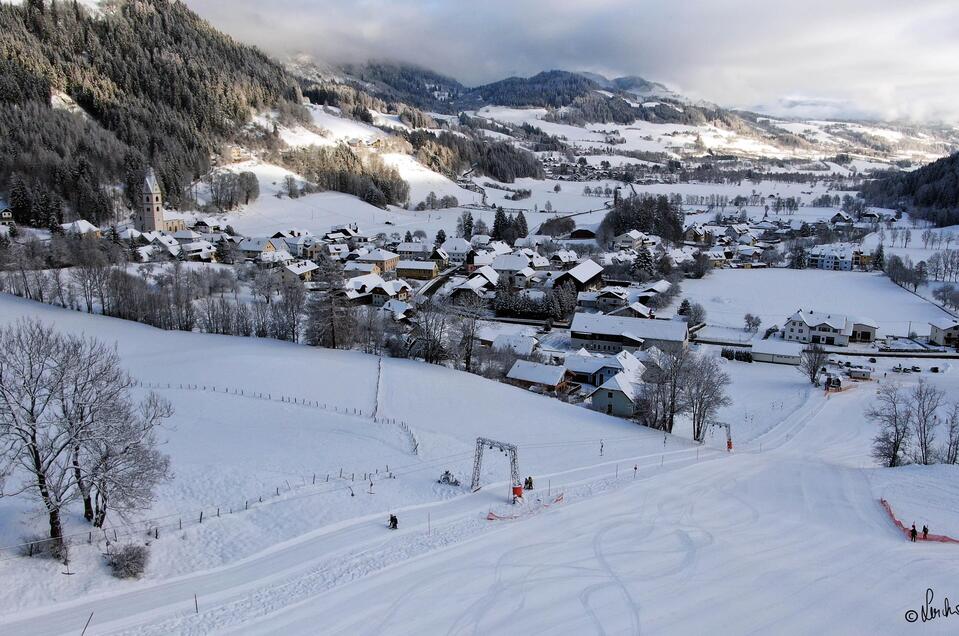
point(812, 58)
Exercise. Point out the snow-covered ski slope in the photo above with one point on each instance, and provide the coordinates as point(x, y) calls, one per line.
point(784, 535)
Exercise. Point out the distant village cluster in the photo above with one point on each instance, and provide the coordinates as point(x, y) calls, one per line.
point(591, 299)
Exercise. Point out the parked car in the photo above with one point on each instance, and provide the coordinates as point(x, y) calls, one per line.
point(916, 369)
point(873, 360)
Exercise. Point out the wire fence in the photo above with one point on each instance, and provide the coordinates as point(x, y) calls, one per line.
point(403, 426)
point(326, 482)
point(342, 482)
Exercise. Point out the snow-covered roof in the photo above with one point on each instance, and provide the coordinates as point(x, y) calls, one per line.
point(635, 307)
point(838, 322)
point(128, 234)
point(628, 384)
point(415, 247)
point(276, 256)
point(356, 266)
point(456, 245)
point(536, 373)
point(564, 256)
point(393, 287)
point(378, 255)
point(945, 323)
point(636, 328)
point(585, 271)
point(777, 346)
point(660, 287)
point(367, 281)
point(486, 272)
point(397, 308)
point(302, 267)
point(427, 266)
point(519, 344)
point(80, 226)
point(510, 262)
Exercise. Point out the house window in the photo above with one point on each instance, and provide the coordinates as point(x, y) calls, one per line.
point(609, 394)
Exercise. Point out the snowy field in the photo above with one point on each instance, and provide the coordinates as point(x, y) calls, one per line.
point(775, 294)
point(784, 535)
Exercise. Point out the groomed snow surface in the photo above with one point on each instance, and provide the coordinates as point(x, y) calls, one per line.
point(784, 535)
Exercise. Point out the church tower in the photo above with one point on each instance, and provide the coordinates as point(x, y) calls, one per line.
point(151, 216)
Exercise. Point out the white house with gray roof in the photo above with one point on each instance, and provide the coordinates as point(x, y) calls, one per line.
point(816, 327)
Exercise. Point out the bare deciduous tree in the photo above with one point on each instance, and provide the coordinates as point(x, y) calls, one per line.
point(69, 425)
point(925, 401)
point(34, 440)
point(468, 311)
point(893, 414)
point(813, 360)
point(705, 392)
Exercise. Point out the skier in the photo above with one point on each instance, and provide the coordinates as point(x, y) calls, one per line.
point(635, 469)
point(529, 483)
point(925, 532)
point(393, 522)
point(912, 533)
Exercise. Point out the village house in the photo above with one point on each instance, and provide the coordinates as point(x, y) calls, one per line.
point(398, 310)
point(200, 250)
point(944, 332)
point(840, 217)
point(697, 234)
point(6, 217)
point(301, 270)
point(440, 257)
point(595, 369)
point(252, 248)
point(586, 276)
point(520, 344)
point(457, 249)
point(542, 377)
point(390, 290)
point(634, 310)
point(510, 264)
point(812, 327)
point(274, 258)
point(358, 290)
point(600, 332)
point(356, 268)
point(837, 257)
point(414, 250)
point(618, 396)
point(630, 240)
point(385, 259)
point(417, 270)
point(563, 259)
point(81, 228)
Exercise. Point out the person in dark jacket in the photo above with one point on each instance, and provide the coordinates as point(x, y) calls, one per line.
point(912, 533)
point(925, 532)
point(393, 522)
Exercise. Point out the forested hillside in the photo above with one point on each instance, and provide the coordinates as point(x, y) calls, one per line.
point(160, 86)
point(933, 189)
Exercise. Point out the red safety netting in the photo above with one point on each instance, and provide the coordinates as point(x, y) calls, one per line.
point(492, 516)
point(932, 537)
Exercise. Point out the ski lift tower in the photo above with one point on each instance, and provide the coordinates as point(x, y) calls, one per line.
point(729, 434)
point(510, 449)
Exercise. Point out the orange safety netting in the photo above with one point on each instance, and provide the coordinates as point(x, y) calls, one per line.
point(931, 537)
